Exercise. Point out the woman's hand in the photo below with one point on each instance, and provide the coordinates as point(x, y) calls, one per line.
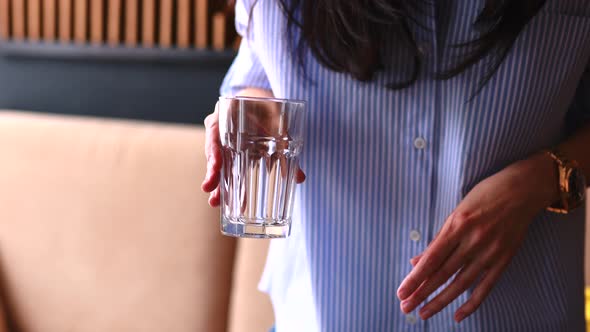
point(213, 151)
point(479, 239)
point(214, 158)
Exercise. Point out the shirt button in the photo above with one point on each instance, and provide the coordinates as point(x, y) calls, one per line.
point(411, 319)
point(415, 236)
point(419, 143)
point(424, 47)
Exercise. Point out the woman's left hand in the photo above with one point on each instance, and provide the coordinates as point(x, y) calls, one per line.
point(479, 239)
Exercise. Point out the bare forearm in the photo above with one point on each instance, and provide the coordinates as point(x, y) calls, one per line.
point(255, 92)
point(543, 168)
point(577, 147)
point(3, 318)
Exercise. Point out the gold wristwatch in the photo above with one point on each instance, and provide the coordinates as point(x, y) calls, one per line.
point(572, 183)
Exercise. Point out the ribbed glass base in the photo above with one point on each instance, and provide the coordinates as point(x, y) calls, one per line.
point(255, 228)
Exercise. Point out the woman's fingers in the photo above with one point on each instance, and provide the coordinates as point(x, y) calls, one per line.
point(215, 160)
point(300, 176)
point(464, 279)
point(213, 153)
point(414, 260)
point(214, 197)
point(433, 258)
point(444, 273)
point(482, 290)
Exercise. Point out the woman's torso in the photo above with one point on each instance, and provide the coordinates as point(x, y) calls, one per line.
point(385, 168)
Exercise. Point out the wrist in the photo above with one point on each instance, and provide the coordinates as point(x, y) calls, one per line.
point(540, 181)
point(546, 176)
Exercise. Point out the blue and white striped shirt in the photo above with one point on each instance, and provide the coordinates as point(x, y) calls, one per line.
point(385, 168)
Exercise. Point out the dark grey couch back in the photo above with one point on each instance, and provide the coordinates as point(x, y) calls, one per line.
point(137, 84)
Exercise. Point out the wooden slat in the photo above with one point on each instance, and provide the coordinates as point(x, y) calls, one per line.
point(4, 19)
point(18, 19)
point(219, 31)
point(131, 22)
point(165, 23)
point(96, 21)
point(183, 23)
point(114, 22)
point(34, 20)
point(80, 21)
point(149, 7)
point(201, 23)
point(65, 20)
point(49, 27)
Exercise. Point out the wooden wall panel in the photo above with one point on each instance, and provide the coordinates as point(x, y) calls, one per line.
point(131, 22)
point(219, 31)
point(80, 21)
point(183, 23)
point(33, 20)
point(149, 22)
point(65, 20)
point(96, 21)
point(165, 35)
point(4, 19)
point(114, 22)
point(200, 17)
point(18, 19)
point(180, 24)
point(49, 24)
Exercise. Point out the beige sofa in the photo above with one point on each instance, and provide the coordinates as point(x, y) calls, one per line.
point(103, 227)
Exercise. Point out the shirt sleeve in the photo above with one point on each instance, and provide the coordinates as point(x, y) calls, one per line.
point(246, 70)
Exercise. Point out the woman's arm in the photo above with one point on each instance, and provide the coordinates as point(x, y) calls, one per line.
point(484, 232)
point(3, 318)
point(577, 148)
point(542, 168)
point(255, 92)
point(479, 239)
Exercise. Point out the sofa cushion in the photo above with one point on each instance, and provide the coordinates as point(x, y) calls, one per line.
point(104, 227)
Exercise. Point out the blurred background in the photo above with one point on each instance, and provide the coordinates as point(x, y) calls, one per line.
point(142, 59)
point(103, 226)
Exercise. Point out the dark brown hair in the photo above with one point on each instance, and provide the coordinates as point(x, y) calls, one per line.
point(347, 35)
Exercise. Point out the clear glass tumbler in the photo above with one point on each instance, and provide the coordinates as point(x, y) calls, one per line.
point(261, 141)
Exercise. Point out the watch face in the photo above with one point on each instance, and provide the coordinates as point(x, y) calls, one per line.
point(577, 185)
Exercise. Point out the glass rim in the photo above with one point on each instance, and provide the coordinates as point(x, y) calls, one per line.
point(266, 99)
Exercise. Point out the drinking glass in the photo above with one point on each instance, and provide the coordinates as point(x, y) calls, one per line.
point(261, 141)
